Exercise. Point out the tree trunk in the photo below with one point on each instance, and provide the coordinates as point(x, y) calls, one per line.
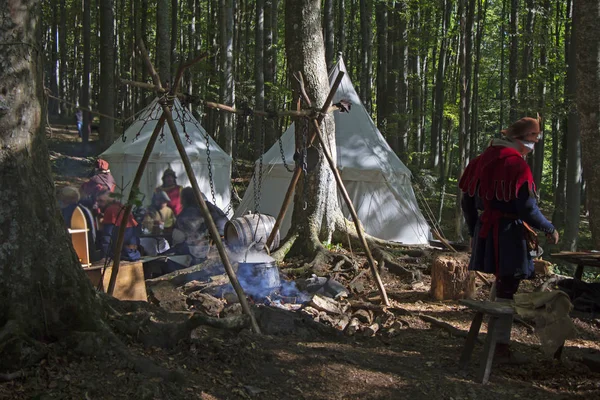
point(163, 42)
point(227, 81)
point(366, 52)
point(588, 103)
point(106, 104)
point(539, 147)
point(451, 278)
point(44, 289)
point(474, 130)
point(463, 137)
point(174, 38)
point(525, 100)
point(270, 64)
point(259, 78)
point(62, 48)
point(317, 222)
point(381, 18)
point(573, 205)
point(341, 38)
point(329, 34)
point(437, 121)
point(85, 86)
point(402, 56)
point(513, 82)
point(502, 63)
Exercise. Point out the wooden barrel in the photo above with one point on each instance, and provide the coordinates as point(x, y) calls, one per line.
point(241, 232)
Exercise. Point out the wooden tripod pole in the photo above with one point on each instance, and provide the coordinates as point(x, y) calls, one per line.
point(212, 228)
point(292, 186)
point(359, 230)
point(127, 211)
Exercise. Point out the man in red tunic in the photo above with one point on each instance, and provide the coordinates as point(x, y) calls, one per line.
point(172, 189)
point(500, 209)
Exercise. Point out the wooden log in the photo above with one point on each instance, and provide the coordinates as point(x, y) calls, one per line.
point(451, 278)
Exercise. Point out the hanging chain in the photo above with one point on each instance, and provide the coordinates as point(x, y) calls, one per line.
point(285, 164)
point(210, 171)
point(258, 187)
point(304, 164)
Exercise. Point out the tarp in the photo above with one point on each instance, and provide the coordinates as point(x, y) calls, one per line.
point(378, 183)
point(126, 153)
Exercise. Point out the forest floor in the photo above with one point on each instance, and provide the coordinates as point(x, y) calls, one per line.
point(419, 362)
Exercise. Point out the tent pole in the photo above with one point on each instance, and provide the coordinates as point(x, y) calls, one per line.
point(359, 229)
point(214, 233)
point(127, 211)
point(292, 186)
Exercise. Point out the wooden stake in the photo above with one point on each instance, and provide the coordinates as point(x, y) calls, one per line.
point(212, 228)
point(292, 186)
point(127, 211)
point(346, 197)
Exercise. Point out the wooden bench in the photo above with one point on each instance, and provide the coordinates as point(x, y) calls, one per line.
point(499, 313)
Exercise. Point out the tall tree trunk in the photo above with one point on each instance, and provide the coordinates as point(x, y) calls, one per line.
point(227, 81)
point(513, 82)
point(437, 121)
point(85, 87)
point(163, 42)
point(366, 52)
point(474, 130)
point(381, 18)
point(588, 104)
point(45, 293)
point(106, 104)
point(402, 55)
point(174, 37)
point(463, 111)
point(53, 105)
point(317, 222)
point(259, 78)
point(329, 34)
point(341, 37)
point(270, 63)
point(502, 64)
point(391, 104)
point(525, 100)
point(573, 143)
point(539, 147)
point(62, 48)
point(415, 85)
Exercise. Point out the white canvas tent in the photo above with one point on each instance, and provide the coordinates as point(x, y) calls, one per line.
point(378, 183)
point(125, 154)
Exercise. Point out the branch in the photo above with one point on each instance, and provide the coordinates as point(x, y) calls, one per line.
point(185, 66)
point(146, 57)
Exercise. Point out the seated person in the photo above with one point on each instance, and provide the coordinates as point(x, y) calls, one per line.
point(191, 209)
point(113, 217)
point(68, 200)
point(101, 180)
point(172, 190)
point(159, 215)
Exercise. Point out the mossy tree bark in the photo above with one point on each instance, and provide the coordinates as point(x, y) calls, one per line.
point(306, 53)
point(44, 293)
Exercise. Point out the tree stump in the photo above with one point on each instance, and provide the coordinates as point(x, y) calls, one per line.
point(451, 278)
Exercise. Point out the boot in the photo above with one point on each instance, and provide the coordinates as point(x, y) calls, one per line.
point(505, 355)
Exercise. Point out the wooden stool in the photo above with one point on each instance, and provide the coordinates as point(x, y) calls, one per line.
point(499, 313)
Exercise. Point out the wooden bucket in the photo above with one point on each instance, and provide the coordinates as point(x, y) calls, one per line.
point(241, 232)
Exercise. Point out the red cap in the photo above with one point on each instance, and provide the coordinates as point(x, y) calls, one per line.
point(101, 164)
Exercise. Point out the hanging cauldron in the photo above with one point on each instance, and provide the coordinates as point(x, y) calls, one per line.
point(258, 274)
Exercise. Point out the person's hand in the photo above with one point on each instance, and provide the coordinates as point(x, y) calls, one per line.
point(553, 237)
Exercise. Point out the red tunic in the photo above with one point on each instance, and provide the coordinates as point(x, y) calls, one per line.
point(114, 215)
point(174, 193)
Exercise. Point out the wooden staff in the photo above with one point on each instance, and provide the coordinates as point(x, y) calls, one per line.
point(212, 228)
point(127, 210)
point(359, 231)
point(292, 186)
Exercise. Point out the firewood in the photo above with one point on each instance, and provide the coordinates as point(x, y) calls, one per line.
point(326, 304)
point(367, 306)
point(352, 327)
point(444, 325)
point(451, 278)
point(371, 330)
point(364, 316)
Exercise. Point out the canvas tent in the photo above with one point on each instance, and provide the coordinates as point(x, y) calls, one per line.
point(126, 152)
point(378, 183)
